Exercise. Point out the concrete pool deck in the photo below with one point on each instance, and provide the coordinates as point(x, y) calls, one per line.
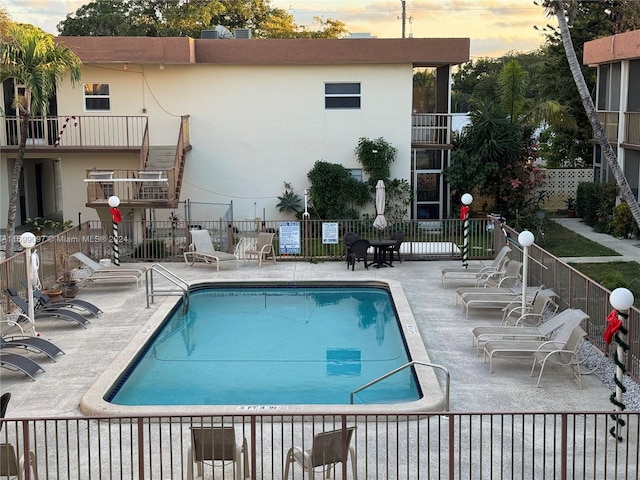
point(444, 330)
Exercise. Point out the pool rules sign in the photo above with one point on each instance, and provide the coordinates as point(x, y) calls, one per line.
point(290, 238)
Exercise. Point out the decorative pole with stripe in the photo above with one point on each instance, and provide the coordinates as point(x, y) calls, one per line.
point(525, 239)
point(621, 300)
point(114, 202)
point(464, 216)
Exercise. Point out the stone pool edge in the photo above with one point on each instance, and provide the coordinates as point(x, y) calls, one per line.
point(433, 399)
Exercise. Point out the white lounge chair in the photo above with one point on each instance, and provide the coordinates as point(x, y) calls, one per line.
point(485, 333)
point(533, 314)
point(527, 348)
point(98, 273)
point(474, 274)
point(566, 355)
point(202, 248)
point(503, 300)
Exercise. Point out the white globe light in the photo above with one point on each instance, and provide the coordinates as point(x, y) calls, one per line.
point(467, 199)
point(114, 201)
point(526, 238)
point(621, 299)
point(28, 240)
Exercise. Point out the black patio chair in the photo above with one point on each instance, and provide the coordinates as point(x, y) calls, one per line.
point(359, 250)
point(398, 236)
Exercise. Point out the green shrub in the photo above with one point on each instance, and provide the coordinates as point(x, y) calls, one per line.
point(151, 249)
point(595, 201)
point(613, 280)
point(622, 223)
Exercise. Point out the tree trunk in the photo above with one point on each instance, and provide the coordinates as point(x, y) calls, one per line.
point(592, 114)
point(15, 182)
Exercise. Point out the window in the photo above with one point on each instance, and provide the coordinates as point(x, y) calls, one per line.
point(356, 173)
point(342, 95)
point(96, 96)
point(609, 87)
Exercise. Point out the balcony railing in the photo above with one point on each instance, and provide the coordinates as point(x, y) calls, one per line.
point(76, 132)
point(430, 129)
point(130, 186)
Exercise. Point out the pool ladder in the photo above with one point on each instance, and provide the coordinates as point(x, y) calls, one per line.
point(181, 284)
point(447, 386)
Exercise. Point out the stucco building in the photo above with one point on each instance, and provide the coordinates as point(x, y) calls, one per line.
point(157, 121)
point(617, 59)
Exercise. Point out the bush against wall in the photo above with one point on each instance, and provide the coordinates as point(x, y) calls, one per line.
point(595, 201)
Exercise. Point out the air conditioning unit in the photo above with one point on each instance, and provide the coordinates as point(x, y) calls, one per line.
point(209, 34)
point(242, 33)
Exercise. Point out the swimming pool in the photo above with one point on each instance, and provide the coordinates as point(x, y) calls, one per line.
point(216, 359)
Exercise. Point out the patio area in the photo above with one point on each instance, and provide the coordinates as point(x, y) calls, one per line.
point(442, 325)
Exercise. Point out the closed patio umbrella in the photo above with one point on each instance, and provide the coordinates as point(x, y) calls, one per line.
point(380, 222)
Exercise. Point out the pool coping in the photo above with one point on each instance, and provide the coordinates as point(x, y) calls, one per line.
point(433, 398)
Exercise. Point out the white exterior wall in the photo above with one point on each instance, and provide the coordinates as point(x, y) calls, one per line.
point(74, 188)
point(251, 128)
point(254, 127)
point(264, 126)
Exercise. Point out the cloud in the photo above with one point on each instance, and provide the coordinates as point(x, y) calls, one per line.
point(45, 14)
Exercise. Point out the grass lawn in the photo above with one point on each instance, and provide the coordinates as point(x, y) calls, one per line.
point(562, 242)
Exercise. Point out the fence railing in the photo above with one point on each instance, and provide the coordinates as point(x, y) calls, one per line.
point(576, 290)
point(76, 131)
point(165, 241)
point(131, 186)
point(550, 445)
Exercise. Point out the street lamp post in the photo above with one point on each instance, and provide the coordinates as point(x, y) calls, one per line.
point(28, 241)
point(114, 202)
point(621, 300)
point(466, 199)
point(525, 239)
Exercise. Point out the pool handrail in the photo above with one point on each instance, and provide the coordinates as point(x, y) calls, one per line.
point(402, 367)
point(179, 282)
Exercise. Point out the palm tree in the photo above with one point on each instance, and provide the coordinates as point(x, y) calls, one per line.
point(528, 113)
point(557, 8)
point(32, 58)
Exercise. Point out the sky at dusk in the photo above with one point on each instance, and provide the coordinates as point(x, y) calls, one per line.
point(495, 27)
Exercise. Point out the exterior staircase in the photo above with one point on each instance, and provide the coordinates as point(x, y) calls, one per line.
point(155, 183)
point(161, 158)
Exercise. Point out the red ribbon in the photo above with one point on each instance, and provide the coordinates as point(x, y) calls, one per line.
point(464, 212)
point(115, 213)
point(613, 324)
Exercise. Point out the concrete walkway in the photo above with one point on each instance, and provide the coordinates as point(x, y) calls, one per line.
point(441, 323)
point(629, 250)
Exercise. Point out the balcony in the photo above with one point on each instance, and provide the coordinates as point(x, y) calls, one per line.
point(610, 122)
point(74, 133)
point(433, 129)
point(134, 188)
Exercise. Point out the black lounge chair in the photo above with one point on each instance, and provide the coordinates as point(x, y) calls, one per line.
point(15, 362)
point(33, 344)
point(73, 303)
point(48, 312)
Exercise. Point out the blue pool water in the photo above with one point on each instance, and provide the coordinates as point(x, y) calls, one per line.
point(272, 346)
